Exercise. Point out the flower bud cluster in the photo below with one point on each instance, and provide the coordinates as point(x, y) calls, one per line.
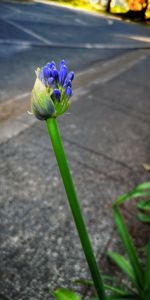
point(52, 91)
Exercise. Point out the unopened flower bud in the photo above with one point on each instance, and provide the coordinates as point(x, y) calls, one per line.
point(62, 74)
point(51, 65)
point(70, 76)
point(46, 72)
point(68, 92)
point(62, 63)
point(41, 104)
point(55, 73)
point(50, 81)
point(52, 91)
point(57, 94)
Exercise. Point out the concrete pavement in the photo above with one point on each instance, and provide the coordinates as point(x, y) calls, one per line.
point(13, 118)
point(105, 133)
point(106, 137)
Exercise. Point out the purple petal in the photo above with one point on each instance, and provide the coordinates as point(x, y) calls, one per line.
point(70, 76)
point(62, 74)
point(68, 92)
point(51, 64)
point(67, 83)
point(62, 63)
point(55, 73)
point(50, 81)
point(46, 72)
point(57, 94)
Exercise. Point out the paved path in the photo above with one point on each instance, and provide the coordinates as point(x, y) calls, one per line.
point(106, 137)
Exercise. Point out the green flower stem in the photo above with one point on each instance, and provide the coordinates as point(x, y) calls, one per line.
point(75, 206)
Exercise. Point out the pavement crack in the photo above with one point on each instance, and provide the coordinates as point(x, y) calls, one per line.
point(105, 175)
point(122, 164)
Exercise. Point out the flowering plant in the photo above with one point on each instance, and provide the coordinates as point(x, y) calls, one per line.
point(50, 98)
point(52, 90)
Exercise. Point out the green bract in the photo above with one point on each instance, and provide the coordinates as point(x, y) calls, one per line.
point(42, 105)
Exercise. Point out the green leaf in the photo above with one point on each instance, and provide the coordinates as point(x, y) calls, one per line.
point(117, 290)
point(123, 264)
point(65, 294)
point(147, 271)
point(129, 247)
point(130, 195)
point(138, 191)
point(144, 186)
point(89, 282)
point(84, 282)
point(144, 218)
point(113, 280)
point(144, 205)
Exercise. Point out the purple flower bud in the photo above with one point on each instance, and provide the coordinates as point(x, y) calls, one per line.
point(57, 94)
point(55, 73)
point(62, 74)
point(62, 63)
point(46, 72)
point(68, 92)
point(70, 76)
point(51, 64)
point(52, 90)
point(67, 83)
point(50, 81)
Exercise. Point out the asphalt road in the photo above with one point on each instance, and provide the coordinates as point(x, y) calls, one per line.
point(32, 34)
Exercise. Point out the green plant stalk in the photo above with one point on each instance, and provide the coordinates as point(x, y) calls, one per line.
point(129, 246)
point(75, 206)
point(146, 294)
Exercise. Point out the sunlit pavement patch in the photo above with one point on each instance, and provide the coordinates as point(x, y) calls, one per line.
point(139, 38)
